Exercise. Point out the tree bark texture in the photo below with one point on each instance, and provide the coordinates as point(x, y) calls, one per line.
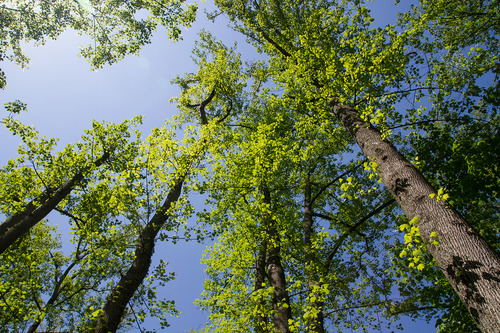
point(471, 266)
point(275, 271)
point(117, 301)
point(19, 224)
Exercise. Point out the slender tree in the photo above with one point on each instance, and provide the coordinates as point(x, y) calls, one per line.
point(113, 310)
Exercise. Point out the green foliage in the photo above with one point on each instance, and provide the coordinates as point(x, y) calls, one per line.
point(105, 212)
point(117, 28)
point(39, 167)
point(15, 107)
point(26, 275)
point(269, 142)
point(268, 151)
point(331, 49)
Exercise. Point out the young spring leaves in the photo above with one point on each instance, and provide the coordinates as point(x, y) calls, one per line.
point(116, 28)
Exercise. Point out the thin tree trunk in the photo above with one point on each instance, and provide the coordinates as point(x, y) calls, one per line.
point(275, 272)
point(19, 224)
point(471, 266)
point(316, 323)
point(113, 310)
point(117, 301)
point(55, 294)
point(260, 277)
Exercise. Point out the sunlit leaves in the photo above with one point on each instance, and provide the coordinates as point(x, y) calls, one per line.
point(219, 73)
point(105, 210)
point(26, 274)
point(116, 28)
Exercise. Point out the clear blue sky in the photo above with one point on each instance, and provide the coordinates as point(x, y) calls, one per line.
point(64, 96)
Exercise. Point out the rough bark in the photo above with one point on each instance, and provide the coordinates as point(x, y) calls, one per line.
point(117, 301)
point(316, 323)
point(19, 224)
point(275, 272)
point(471, 266)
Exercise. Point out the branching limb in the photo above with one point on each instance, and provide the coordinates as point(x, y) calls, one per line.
point(341, 239)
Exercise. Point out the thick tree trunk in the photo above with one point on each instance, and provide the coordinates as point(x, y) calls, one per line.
point(316, 323)
point(19, 224)
point(276, 273)
point(471, 266)
point(117, 301)
point(260, 277)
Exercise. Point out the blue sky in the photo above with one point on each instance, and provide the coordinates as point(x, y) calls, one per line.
point(64, 96)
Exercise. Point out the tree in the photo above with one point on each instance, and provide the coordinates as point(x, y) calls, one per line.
point(455, 148)
point(326, 266)
point(172, 166)
point(342, 59)
point(468, 262)
point(40, 284)
point(271, 270)
point(26, 206)
point(159, 159)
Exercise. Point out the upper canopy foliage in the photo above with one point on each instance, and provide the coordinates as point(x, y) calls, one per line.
point(117, 28)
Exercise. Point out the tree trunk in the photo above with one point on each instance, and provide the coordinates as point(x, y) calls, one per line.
point(275, 272)
point(260, 278)
point(19, 224)
point(117, 301)
point(471, 266)
point(316, 323)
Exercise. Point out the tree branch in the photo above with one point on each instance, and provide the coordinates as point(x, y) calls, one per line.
point(18, 224)
point(333, 181)
point(341, 239)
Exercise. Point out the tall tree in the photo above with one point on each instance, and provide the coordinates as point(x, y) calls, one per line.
point(467, 260)
point(173, 166)
point(267, 151)
point(331, 47)
point(455, 151)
